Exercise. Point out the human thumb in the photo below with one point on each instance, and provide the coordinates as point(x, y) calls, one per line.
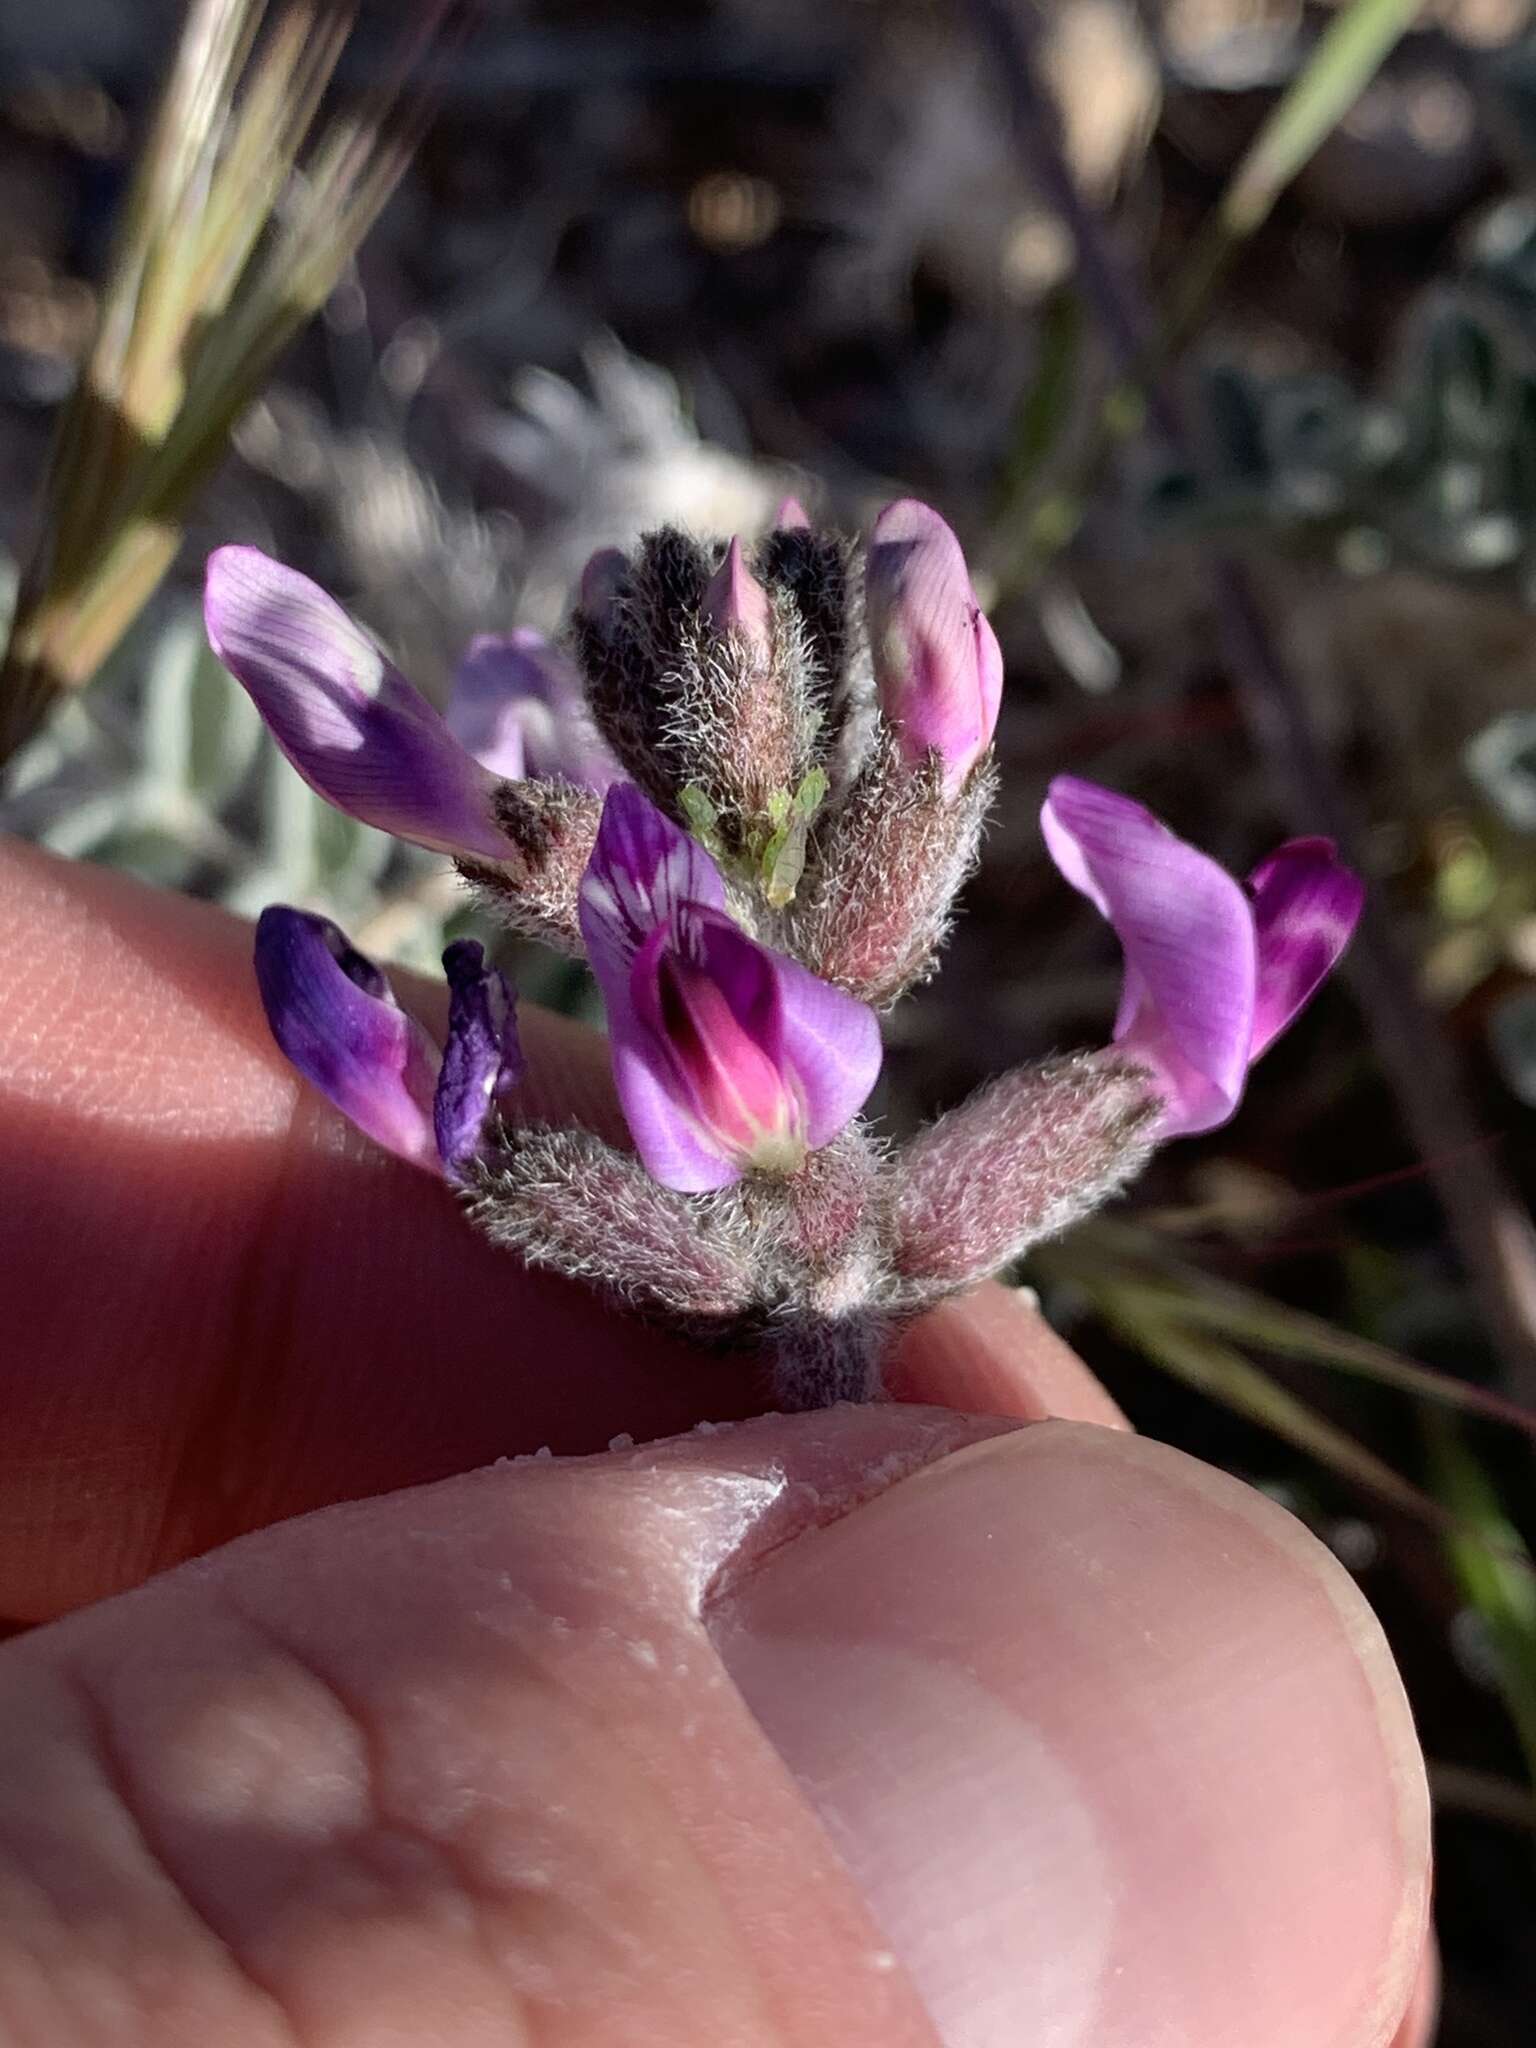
point(881, 1727)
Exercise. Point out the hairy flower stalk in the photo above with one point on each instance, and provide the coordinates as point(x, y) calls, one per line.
point(747, 792)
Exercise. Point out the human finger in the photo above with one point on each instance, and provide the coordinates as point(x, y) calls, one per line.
point(878, 1726)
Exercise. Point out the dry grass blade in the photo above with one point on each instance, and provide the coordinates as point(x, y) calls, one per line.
point(1217, 1369)
point(247, 207)
point(1151, 1316)
point(1241, 1315)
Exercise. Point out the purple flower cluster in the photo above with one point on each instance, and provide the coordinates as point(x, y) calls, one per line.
point(746, 792)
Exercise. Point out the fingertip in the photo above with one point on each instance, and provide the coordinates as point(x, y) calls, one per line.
point(1129, 1720)
point(1419, 2022)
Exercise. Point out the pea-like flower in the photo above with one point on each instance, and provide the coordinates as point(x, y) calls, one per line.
point(728, 1057)
point(938, 667)
point(336, 1018)
point(1213, 973)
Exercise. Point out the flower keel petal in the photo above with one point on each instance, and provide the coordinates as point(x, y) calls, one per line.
point(727, 1056)
point(334, 1016)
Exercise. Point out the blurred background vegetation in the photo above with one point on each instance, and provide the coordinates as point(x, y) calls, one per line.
point(1211, 324)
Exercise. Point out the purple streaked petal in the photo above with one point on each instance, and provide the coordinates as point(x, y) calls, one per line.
point(1306, 905)
point(333, 1014)
point(938, 667)
point(518, 706)
point(345, 716)
point(482, 1058)
point(1188, 936)
point(485, 706)
point(729, 1056)
point(642, 867)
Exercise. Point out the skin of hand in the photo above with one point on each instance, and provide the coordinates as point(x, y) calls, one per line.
point(353, 1722)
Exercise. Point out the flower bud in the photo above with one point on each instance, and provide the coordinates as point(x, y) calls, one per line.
point(938, 667)
point(736, 603)
point(600, 583)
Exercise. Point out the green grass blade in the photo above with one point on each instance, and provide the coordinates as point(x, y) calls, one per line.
point(1487, 1554)
point(1348, 55)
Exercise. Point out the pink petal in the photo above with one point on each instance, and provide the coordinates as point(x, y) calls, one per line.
point(721, 1047)
point(938, 667)
point(735, 602)
point(661, 1109)
point(1190, 951)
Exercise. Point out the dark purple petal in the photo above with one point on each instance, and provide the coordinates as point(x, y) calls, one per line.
point(482, 1058)
point(345, 716)
point(1306, 905)
point(518, 706)
point(333, 1014)
point(1187, 1009)
point(938, 667)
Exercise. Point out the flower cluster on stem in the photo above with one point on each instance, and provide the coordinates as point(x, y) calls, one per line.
point(747, 789)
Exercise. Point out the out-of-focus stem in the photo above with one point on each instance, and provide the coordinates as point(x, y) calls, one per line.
point(1348, 55)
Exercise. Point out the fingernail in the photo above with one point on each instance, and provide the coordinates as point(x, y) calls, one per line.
point(1113, 1746)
